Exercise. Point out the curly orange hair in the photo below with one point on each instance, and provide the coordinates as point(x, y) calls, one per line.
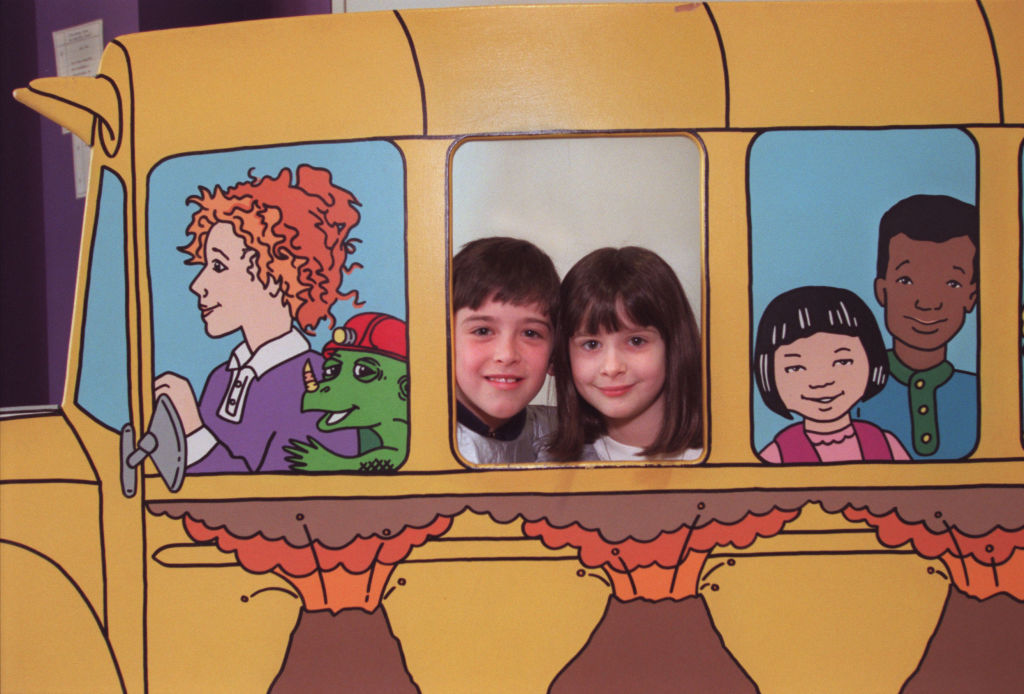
point(297, 232)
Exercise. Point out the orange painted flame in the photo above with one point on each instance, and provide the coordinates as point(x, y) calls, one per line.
point(666, 567)
point(979, 565)
point(352, 576)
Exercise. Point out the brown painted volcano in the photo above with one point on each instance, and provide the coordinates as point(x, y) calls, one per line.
point(350, 651)
point(663, 646)
point(977, 647)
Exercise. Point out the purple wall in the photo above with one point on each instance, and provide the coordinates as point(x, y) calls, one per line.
point(62, 213)
point(168, 14)
point(42, 219)
point(23, 375)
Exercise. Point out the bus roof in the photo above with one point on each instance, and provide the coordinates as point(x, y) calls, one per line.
point(594, 68)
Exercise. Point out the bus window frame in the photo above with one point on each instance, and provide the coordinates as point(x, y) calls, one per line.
point(698, 300)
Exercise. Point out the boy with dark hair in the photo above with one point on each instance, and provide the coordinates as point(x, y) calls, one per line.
point(504, 300)
point(927, 282)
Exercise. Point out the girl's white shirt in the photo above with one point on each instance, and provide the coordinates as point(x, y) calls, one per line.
point(607, 448)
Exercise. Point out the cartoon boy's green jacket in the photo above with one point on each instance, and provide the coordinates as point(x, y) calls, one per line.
point(365, 386)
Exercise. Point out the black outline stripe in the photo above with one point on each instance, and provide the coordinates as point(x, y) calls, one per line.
point(416, 63)
point(810, 490)
point(118, 137)
point(725, 61)
point(995, 60)
point(85, 600)
point(1020, 284)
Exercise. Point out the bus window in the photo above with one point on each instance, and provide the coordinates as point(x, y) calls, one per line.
point(103, 375)
point(275, 274)
point(568, 196)
point(863, 249)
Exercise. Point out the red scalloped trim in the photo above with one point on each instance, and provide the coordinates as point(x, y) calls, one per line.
point(994, 547)
point(260, 555)
point(667, 549)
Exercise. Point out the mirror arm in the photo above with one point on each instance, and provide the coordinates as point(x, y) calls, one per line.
point(165, 443)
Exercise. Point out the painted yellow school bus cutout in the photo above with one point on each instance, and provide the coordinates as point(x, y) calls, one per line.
point(228, 161)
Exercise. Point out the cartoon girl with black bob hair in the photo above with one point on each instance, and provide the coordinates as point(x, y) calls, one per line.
point(626, 361)
point(819, 352)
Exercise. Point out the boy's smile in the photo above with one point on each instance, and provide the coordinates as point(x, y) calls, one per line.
point(502, 353)
point(927, 291)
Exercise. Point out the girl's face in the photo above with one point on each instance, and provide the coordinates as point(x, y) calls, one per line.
point(229, 297)
point(821, 377)
point(622, 375)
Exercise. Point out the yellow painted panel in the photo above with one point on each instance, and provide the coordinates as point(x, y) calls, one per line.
point(68, 532)
point(216, 629)
point(858, 63)
point(487, 549)
point(813, 517)
point(728, 337)
point(580, 479)
point(583, 68)
point(857, 622)
point(428, 305)
point(41, 448)
point(810, 543)
point(230, 626)
point(469, 524)
point(50, 640)
point(122, 546)
point(492, 627)
point(193, 555)
point(185, 555)
point(845, 625)
point(1006, 17)
point(274, 81)
point(999, 257)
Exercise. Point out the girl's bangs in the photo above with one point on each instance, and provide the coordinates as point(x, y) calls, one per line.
point(611, 313)
point(600, 314)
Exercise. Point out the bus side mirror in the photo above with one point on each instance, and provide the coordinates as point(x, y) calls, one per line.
point(165, 443)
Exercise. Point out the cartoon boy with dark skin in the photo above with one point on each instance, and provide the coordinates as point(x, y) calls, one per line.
point(927, 282)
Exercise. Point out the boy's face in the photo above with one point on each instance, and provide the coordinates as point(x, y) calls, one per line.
point(928, 289)
point(502, 353)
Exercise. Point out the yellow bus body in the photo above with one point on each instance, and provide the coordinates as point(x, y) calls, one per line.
point(427, 81)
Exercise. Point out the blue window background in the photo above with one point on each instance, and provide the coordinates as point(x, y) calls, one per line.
point(103, 380)
point(816, 198)
point(373, 171)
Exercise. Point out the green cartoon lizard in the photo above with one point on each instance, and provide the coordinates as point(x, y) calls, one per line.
point(365, 386)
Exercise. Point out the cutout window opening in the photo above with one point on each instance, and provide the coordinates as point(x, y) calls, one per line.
point(569, 196)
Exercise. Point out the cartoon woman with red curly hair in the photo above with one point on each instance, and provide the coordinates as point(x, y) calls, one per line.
point(272, 253)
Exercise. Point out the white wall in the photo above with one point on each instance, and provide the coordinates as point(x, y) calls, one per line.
point(570, 196)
